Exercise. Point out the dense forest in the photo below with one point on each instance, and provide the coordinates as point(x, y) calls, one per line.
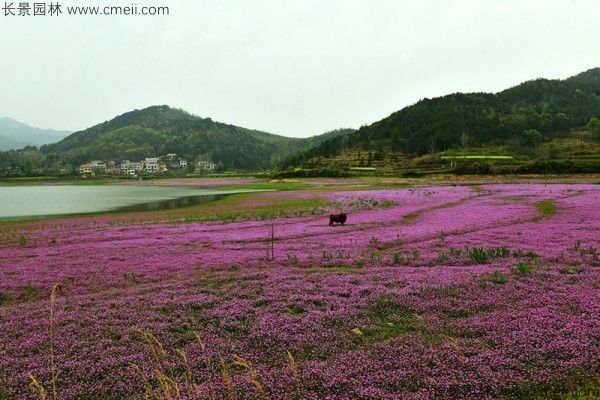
point(522, 116)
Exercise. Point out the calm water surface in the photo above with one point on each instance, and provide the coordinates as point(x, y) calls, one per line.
point(21, 202)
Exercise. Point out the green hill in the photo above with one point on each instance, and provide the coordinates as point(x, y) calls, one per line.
point(519, 119)
point(160, 130)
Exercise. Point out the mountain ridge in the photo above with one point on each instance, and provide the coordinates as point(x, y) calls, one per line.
point(15, 134)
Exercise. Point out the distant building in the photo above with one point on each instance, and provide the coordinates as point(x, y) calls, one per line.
point(130, 168)
point(87, 169)
point(114, 170)
point(151, 165)
point(206, 166)
point(98, 165)
point(171, 156)
point(183, 164)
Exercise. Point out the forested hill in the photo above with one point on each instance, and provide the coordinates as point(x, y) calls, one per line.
point(548, 107)
point(159, 130)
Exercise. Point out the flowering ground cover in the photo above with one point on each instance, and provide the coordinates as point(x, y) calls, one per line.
point(446, 292)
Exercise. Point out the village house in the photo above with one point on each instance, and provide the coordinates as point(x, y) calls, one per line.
point(183, 163)
point(127, 168)
point(151, 164)
point(98, 165)
point(131, 168)
point(87, 169)
point(114, 170)
point(205, 166)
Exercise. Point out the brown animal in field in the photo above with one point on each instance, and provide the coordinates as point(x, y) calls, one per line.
point(337, 218)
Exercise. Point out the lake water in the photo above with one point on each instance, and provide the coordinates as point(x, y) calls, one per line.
point(21, 202)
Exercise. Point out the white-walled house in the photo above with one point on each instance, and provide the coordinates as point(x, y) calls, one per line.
point(97, 164)
point(127, 168)
point(206, 166)
point(131, 168)
point(154, 165)
point(151, 164)
point(87, 169)
point(183, 164)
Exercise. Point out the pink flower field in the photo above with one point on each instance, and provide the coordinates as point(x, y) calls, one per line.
point(446, 292)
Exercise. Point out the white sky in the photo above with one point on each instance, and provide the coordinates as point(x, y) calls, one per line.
point(293, 67)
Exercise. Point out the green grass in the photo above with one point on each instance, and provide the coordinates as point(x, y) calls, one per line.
point(477, 189)
point(5, 298)
point(522, 269)
point(278, 185)
point(388, 319)
point(333, 269)
point(363, 169)
point(496, 277)
point(546, 208)
point(529, 391)
point(477, 157)
point(482, 255)
point(280, 208)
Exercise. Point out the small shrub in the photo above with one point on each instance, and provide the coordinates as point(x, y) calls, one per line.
point(504, 252)
point(442, 258)
point(522, 269)
point(400, 258)
point(531, 254)
point(292, 259)
point(478, 255)
point(295, 309)
point(30, 291)
point(482, 256)
point(447, 291)
point(546, 208)
point(570, 270)
point(4, 298)
point(23, 240)
point(327, 256)
point(495, 277)
point(455, 252)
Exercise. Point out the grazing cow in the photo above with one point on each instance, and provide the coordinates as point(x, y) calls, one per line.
point(337, 218)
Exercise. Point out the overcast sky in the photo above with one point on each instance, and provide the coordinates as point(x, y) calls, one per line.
point(293, 67)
